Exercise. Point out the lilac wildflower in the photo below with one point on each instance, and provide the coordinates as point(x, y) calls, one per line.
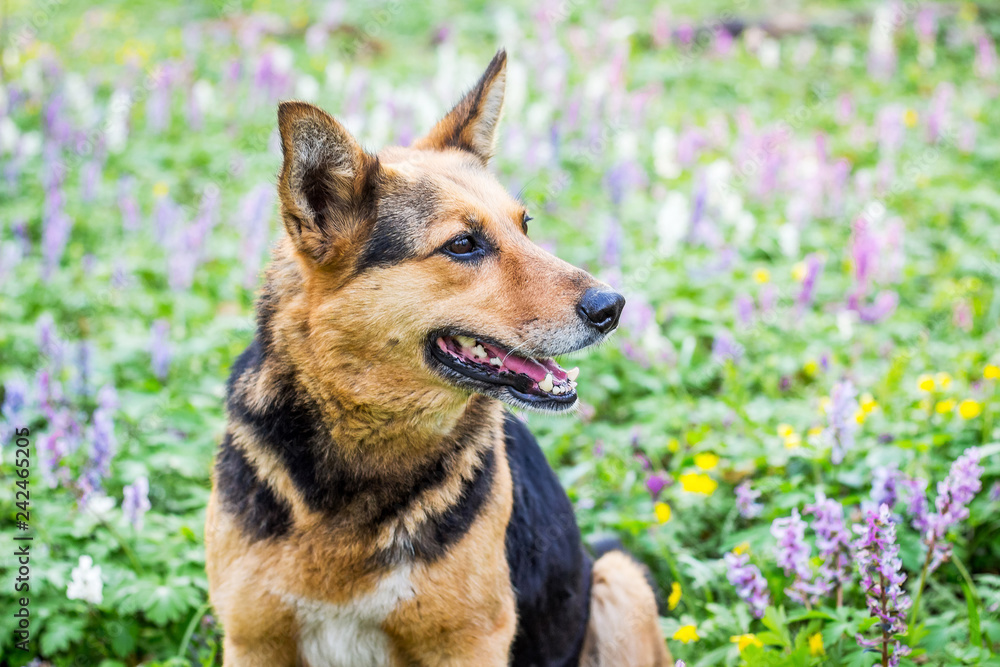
point(746, 501)
point(255, 210)
point(914, 494)
point(15, 399)
point(884, 486)
point(135, 501)
point(833, 540)
point(954, 495)
point(750, 584)
point(726, 349)
point(986, 57)
point(655, 484)
point(159, 348)
point(840, 416)
point(882, 581)
point(793, 557)
point(744, 309)
point(995, 492)
point(814, 266)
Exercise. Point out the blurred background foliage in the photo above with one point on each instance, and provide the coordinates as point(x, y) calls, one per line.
point(796, 197)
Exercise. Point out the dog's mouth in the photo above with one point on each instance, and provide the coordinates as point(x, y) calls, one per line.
point(530, 382)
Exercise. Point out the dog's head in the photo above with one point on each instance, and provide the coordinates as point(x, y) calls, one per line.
point(418, 275)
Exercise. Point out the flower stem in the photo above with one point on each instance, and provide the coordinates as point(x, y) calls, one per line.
point(885, 631)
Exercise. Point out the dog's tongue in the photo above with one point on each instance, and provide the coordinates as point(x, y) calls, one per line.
point(529, 367)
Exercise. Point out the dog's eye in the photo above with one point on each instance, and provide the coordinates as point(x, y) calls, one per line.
point(461, 246)
point(524, 222)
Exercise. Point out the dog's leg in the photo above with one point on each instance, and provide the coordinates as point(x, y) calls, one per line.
point(623, 630)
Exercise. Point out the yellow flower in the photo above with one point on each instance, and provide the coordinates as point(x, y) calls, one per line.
point(925, 383)
point(761, 276)
point(991, 372)
point(742, 641)
point(785, 430)
point(706, 461)
point(160, 190)
point(910, 118)
point(945, 406)
point(811, 368)
point(970, 409)
point(824, 404)
point(687, 633)
point(868, 403)
point(663, 512)
point(816, 644)
point(695, 482)
point(674, 445)
point(943, 380)
point(793, 441)
point(799, 272)
point(741, 548)
point(675, 596)
point(860, 416)
point(815, 432)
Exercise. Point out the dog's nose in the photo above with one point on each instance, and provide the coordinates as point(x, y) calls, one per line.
point(601, 308)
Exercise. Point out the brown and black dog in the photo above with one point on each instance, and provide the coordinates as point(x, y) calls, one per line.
point(373, 501)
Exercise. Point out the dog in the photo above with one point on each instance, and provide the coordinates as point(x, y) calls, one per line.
point(373, 502)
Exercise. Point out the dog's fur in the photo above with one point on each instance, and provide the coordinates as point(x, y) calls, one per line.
point(368, 507)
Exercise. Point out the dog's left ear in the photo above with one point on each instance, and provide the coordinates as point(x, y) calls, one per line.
point(471, 126)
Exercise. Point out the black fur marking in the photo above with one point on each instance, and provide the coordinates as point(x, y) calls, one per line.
point(439, 533)
point(400, 217)
point(549, 569)
point(345, 489)
point(262, 514)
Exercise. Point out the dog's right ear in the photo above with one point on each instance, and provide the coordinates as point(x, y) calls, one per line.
point(327, 183)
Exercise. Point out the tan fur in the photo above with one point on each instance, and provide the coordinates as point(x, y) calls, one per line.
point(623, 630)
point(354, 342)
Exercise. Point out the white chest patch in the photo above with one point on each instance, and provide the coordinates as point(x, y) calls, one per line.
point(350, 635)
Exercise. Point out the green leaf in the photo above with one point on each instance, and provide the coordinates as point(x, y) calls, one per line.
point(776, 621)
point(972, 602)
point(60, 634)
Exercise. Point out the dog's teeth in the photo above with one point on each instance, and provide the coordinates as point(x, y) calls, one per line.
point(478, 352)
point(496, 361)
point(546, 384)
point(465, 341)
point(572, 374)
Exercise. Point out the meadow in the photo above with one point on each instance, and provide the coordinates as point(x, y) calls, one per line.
point(795, 427)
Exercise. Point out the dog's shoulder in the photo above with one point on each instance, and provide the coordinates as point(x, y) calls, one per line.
point(549, 569)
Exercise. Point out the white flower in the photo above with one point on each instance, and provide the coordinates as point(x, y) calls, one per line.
point(86, 582)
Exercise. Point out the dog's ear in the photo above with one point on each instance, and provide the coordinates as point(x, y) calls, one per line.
point(327, 185)
point(472, 124)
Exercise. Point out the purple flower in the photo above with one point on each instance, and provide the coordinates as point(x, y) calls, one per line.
point(159, 348)
point(884, 482)
point(792, 555)
point(842, 423)
point(877, 555)
point(814, 265)
point(744, 309)
point(127, 204)
point(746, 501)
point(986, 57)
point(954, 495)
point(749, 582)
point(135, 501)
point(914, 494)
point(655, 484)
point(255, 210)
point(15, 399)
point(995, 492)
point(833, 540)
point(724, 348)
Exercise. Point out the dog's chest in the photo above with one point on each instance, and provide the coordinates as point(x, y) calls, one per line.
point(350, 634)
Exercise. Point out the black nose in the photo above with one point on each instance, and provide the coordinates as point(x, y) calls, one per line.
point(601, 308)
